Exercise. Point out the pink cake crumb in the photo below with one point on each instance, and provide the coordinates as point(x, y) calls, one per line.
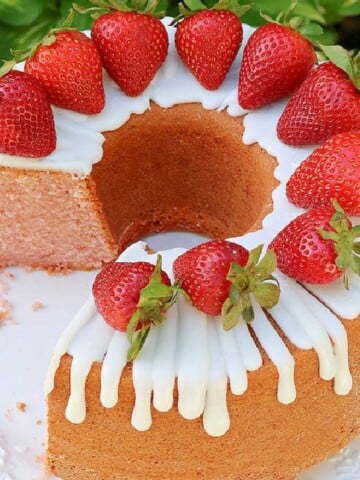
point(5, 311)
point(21, 406)
point(37, 306)
point(5, 305)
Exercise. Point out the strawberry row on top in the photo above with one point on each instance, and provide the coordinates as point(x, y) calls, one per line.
point(66, 70)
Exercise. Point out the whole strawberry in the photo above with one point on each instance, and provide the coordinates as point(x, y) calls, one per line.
point(219, 277)
point(26, 119)
point(331, 171)
point(133, 296)
point(325, 104)
point(207, 42)
point(69, 66)
point(275, 62)
point(318, 246)
point(133, 46)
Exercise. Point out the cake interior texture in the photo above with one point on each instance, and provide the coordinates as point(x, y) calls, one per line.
point(182, 168)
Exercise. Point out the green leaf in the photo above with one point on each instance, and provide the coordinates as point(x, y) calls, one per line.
point(138, 343)
point(340, 57)
point(230, 314)
point(247, 309)
point(357, 248)
point(18, 13)
point(311, 30)
point(81, 21)
point(266, 266)
point(254, 256)
point(194, 5)
point(267, 294)
point(21, 38)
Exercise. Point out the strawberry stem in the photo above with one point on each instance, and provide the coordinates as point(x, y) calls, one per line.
point(154, 300)
point(254, 280)
point(343, 236)
point(101, 7)
point(190, 7)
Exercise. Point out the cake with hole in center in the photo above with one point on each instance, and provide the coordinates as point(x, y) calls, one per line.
point(264, 400)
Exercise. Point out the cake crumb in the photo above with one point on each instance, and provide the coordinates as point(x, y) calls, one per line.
point(5, 311)
point(21, 406)
point(5, 305)
point(37, 306)
point(39, 422)
point(8, 275)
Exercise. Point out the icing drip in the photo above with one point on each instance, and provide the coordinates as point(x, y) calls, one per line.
point(85, 349)
point(194, 348)
point(193, 361)
point(113, 365)
point(216, 418)
point(278, 354)
point(164, 367)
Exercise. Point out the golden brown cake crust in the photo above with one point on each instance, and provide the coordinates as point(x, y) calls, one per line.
point(266, 441)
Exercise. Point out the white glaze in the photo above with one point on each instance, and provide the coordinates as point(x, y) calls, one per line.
point(194, 348)
point(191, 347)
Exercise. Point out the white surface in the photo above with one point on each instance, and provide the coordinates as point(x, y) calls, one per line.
point(26, 344)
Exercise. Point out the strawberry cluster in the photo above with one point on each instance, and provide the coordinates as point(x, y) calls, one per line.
point(219, 278)
point(132, 46)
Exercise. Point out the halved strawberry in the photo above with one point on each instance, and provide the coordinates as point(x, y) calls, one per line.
point(219, 276)
point(331, 171)
point(26, 120)
point(133, 296)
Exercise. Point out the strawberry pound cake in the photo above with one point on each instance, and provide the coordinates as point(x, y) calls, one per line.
point(258, 366)
point(264, 399)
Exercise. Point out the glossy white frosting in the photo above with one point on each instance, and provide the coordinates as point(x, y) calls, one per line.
point(191, 347)
point(194, 348)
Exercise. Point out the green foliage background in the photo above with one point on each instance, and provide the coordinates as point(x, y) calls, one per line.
point(24, 22)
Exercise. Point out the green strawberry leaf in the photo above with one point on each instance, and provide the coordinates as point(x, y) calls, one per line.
point(311, 30)
point(137, 343)
point(267, 294)
point(342, 59)
point(266, 266)
point(356, 248)
point(231, 314)
point(81, 21)
point(255, 278)
point(247, 310)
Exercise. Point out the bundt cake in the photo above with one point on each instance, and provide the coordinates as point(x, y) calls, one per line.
point(252, 403)
point(262, 401)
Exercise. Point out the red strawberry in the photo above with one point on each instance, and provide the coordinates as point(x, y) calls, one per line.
point(219, 276)
point(318, 246)
point(325, 104)
point(133, 296)
point(331, 171)
point(133, 46)
point(208, 42)
point(26, 119)
point(276, 60)
point(70, 69)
